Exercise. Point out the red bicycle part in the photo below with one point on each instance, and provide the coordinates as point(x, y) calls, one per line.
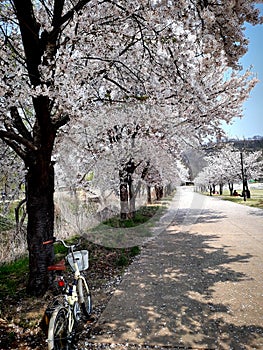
point(59, 266)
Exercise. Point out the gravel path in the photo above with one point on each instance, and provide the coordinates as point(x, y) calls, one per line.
point(196, 285)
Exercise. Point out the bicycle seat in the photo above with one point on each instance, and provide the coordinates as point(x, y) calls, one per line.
point(59, 266)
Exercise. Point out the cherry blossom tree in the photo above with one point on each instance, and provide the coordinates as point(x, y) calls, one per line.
point(230, 165)
point(63, 60)
point(121, 128)
point(122, 156)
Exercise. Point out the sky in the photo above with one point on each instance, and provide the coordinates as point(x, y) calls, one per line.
point(252, 122)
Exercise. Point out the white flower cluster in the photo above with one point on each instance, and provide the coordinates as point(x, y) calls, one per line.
point(158, 66)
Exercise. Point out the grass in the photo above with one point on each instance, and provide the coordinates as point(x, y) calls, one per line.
point(126, 255)
point(256, 200)
point(142, 216)
point(252, 202)
point(119, 233)
point(13, 276)
point(6, 223)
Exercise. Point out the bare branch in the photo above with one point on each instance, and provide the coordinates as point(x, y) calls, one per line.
point(19, 125)
point(61, 121)
point(9, 135)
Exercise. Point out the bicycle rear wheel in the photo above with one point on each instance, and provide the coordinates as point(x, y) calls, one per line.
point(58, 330)
point(84, 297)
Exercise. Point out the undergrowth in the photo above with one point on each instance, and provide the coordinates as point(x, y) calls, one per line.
point(6, 223)
point(141, 216)
point(14, 274)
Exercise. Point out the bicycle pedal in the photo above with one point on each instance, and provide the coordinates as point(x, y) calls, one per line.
point(89, 320)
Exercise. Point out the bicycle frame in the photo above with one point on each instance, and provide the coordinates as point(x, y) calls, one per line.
point(73, 294)
point(71, 320)
point(81, 297)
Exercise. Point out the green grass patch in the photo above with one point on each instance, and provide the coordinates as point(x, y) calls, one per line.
point(123, 260)
point(116, 232)
point(135, 251)
point(252, 202)
point(142, 215)
point(256, 200)
point(125, 256)
point(6, 223)
point(13, 276)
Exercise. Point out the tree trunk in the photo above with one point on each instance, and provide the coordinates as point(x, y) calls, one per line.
point(248, 194)
point(40, 209)
point(221, 189)
point(214, 188)
point(168, 190)
point(149, 195)
point(20, 222)
point(159, 192)
point(124, 200)
point(132, 200)
point(231, 187)
point(126, 189)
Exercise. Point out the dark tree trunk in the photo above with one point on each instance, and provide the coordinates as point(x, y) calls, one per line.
point(221, 189)
point(40, 208)
point(149, 195)
point(124, 200)
point(247, 191)
point(20, 221)
point(132, 200)
point(168, 190)
point(214, 188)
point(127, 193)
point(159, 192)
point(231, 188)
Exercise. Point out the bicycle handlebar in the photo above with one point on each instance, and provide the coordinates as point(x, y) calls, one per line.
point(54, 240)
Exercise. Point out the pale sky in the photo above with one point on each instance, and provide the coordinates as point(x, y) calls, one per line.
point(252, 122)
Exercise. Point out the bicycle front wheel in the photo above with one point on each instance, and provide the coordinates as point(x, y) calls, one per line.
point(84, 297)
point(58, 330)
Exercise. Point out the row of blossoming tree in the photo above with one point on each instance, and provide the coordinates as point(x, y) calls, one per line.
point(228, 166)
point(86, 75)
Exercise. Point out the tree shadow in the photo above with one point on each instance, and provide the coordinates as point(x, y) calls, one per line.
point(191, 216)
point(257, 212)
point(168, 295)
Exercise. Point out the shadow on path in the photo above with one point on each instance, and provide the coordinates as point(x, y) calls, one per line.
point(256, 212)
point(181, 291)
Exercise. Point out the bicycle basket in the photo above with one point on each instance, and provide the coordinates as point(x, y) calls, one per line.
point(82, 259)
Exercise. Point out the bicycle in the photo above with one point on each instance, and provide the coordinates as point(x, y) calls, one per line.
point(65, 311)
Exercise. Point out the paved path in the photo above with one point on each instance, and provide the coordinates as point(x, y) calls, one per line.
point(197, 284)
